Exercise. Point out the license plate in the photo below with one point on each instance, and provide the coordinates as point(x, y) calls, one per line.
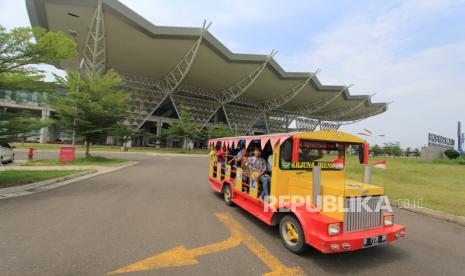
point(374, 241)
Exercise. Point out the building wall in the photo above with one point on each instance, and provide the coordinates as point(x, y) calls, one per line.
point(430, 153)
point(34, 102)
point(17, 101)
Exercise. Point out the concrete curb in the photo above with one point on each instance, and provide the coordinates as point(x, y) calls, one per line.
point(433, 213)
point(123, 164)
point(60, 181)
point(34, 185)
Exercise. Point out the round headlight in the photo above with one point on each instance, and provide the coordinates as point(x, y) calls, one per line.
point(388, 220)
point(334, 229)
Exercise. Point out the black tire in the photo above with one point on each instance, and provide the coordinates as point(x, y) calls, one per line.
point(227, 195)
point(12, 160)
point(295, 241)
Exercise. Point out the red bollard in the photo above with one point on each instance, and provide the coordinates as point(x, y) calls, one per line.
point(30, 153)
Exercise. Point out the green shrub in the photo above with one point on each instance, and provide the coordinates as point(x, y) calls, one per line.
point(452, 154)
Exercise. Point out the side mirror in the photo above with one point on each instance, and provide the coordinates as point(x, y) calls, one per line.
point(363, 152)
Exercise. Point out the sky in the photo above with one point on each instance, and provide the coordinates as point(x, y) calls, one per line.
point(410, 53)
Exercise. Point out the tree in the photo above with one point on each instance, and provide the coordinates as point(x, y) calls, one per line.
point(25, 82)
point(15, 125)
point(388, 149)
point(451, 154)
point(184, 129)
point(377, 150)
point(397, 150)
point(99, 109)
point(19, 49)
point(408, 151)
point(416, 152)
point(393, 149)
point(219, 130)
point(22, 47)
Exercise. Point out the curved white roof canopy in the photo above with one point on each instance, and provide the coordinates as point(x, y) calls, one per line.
point(136, 46)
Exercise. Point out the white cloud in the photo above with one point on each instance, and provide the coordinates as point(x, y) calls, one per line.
point(370, 47)
point(222, 13)
point(227, 16)
point(13, 14)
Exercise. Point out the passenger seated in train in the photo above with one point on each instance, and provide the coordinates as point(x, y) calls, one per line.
point(257, 164)
point(238, 159)
point(219, 154)
point(267, 154)
point(269, 164)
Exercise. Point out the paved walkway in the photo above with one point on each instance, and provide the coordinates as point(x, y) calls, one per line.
point(163, 204)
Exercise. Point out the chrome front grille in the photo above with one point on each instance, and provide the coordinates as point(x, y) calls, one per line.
point(357, 218)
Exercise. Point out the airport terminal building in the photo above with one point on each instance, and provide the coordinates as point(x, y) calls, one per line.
point(171, 68)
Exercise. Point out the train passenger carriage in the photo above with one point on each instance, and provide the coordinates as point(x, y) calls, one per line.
point(303, 188)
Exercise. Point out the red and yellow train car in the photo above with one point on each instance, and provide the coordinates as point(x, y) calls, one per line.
point(310, 197)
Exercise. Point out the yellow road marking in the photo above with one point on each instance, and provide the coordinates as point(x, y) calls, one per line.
point(276, 266)
point(180, 256)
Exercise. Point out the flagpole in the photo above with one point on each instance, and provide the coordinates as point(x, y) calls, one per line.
point(385, 171)
point(385, 180)
point(370, 134)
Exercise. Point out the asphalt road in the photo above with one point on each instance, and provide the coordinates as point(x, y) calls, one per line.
point(107, 222)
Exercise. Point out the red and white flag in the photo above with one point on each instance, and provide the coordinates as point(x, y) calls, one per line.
point(380, 165)
point(338, 163)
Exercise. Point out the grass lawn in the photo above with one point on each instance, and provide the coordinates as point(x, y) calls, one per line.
point(12, 178)
point(109, 148)
point(440, 185)
point(81, 161)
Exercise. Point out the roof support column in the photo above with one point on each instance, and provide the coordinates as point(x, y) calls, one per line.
point(226, 115)
point(173, 79)
point(266, 123)
point(214, 113)
point(230, 94)
point(94, 52)
point(234, 91)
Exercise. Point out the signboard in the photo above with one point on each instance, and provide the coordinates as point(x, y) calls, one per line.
point(439, 141)
point(335, 165)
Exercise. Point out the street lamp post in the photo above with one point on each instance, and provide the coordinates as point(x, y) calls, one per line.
point(80, 65)
point(74, 34)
